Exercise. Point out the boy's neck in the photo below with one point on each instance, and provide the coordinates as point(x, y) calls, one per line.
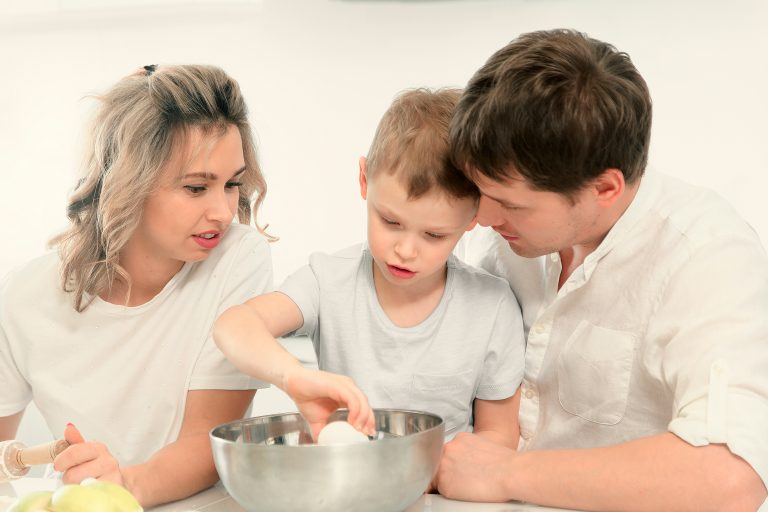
point(408, 306)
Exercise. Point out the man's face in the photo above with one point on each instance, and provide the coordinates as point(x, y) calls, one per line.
point(534, 222)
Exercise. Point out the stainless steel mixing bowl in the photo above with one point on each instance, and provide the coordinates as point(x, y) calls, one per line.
point(268, 463)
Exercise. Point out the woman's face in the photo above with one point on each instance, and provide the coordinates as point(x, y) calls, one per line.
point(189, 212)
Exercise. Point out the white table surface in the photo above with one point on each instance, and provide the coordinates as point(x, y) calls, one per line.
point(216, 499)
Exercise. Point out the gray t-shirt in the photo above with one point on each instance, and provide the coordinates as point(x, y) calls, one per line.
point(470, 346)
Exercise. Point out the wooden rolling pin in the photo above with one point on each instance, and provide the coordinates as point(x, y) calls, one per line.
point(16, 458)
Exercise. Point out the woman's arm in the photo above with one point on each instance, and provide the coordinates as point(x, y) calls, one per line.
point(176, 471)
point(496, 420)
point(9, 425)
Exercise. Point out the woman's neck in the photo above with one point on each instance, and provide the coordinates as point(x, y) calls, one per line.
point(148, 278)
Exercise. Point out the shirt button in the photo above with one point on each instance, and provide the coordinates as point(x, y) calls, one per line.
point(554, 256)
point(539, 328)
point(525, 434)
point(529, 393)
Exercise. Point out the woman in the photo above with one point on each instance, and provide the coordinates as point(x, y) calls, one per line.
point(111, 331)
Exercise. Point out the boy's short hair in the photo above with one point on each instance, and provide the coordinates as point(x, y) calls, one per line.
point(411, 142)
point(556, 107)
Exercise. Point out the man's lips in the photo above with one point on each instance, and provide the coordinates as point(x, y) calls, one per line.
point(507, 237)
point(208, 239)
point(402, 273)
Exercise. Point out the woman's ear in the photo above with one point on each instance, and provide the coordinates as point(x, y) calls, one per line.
point(363, 178)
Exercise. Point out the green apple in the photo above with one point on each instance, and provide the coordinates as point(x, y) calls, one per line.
point(32, 502)
point(81, 498)
point(122, 499)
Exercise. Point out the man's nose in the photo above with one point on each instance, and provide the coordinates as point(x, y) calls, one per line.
point(489, 212)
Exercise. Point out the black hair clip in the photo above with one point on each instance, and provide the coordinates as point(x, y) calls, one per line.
point(148, 70)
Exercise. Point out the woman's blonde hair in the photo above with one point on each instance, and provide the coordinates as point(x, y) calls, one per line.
point(135, 129)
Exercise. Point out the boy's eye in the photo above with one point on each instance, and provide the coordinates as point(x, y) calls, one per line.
point(436, 236)
point(234, 184)
point(390, 222)
point(195, 189)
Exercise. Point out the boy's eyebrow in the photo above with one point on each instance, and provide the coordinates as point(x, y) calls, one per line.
point(211, 176)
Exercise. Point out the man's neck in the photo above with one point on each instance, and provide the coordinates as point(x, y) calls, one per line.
point(573, 257)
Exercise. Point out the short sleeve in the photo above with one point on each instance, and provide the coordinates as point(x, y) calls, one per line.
point(16, 392)
point(713, 315)
point(302, 287)
point(505, 356)
point(249, 274)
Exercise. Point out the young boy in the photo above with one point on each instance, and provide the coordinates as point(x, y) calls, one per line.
point(413, 326)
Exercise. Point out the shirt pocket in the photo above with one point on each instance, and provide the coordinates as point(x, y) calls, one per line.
point(448, 396)
point(593, 373)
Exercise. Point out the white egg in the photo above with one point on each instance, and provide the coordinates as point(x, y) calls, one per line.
point(340, 432)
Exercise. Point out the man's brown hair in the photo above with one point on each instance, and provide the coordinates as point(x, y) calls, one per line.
point(556, 107)
point(411, 142)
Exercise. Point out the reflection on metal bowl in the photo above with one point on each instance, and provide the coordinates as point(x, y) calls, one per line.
point(269, 464)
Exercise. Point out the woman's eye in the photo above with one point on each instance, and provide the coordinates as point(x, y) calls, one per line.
point(195, 189)
point(234, 184)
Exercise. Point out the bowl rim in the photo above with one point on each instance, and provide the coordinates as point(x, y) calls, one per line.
point(214, 438)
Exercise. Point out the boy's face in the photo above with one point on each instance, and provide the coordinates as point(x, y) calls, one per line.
point(536, 222)
point(411, 239)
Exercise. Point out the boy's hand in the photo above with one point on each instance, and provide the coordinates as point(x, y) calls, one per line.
point(318, 394)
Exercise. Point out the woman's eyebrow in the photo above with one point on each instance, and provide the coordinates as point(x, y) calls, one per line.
point(212, 176)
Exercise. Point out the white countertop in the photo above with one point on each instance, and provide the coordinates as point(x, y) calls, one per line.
point(216, 499)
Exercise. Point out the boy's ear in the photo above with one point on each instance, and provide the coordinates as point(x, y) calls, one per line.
point(363, 178)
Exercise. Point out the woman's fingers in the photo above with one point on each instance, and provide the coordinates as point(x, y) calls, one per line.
point(72, 435)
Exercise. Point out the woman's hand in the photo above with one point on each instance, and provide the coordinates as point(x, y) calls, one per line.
point(83, 459)
point(318, 394)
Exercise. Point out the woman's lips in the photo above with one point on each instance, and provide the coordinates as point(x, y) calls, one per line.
point(208, 240)
point(399, 272)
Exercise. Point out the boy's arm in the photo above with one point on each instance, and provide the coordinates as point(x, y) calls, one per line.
point(497, 421)
point(246, 335)
point(661, 472)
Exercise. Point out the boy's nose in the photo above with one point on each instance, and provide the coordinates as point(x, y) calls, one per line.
point(405, 248)
point(489, 212)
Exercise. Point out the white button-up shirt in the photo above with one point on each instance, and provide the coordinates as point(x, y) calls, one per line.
point(664, 327)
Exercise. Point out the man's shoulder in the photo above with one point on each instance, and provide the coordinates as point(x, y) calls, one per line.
point(698, 214)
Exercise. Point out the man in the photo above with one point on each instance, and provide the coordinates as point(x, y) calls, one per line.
point(644, 299)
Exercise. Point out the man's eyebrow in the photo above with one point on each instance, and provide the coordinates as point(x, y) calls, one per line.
point(211, 176)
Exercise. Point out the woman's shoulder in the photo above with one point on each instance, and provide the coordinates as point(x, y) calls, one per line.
point(32, 280)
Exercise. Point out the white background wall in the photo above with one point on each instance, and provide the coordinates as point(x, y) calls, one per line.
point(318, 75)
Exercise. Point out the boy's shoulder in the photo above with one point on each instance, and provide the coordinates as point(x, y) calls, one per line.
point(338, 265)
point(467, 276)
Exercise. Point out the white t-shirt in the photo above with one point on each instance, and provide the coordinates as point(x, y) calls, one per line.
point(470, 346)
point(121, 374)
point(663, 327)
